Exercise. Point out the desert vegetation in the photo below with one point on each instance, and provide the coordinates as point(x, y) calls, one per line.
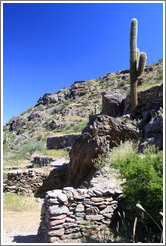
point(25, 136)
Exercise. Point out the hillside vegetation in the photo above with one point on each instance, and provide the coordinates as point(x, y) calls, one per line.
point(67, 111)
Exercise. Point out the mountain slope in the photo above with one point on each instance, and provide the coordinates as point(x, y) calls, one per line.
point(67, 111)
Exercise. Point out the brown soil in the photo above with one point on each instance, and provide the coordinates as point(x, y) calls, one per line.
point(20, 227)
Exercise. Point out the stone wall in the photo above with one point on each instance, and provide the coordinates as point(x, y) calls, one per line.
point(148, 99)
point(34, 181)
point(23, 181)
point(115, 105)
point(71, 213)
point(61, 142)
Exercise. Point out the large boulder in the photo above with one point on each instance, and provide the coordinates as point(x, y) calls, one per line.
point(153, 133)
point(48, 98)
point(102, 133)
point(112, 104)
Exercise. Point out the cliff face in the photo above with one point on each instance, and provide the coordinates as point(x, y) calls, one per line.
point(68, 110)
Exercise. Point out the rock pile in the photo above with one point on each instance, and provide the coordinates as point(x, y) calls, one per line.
point(70, 213)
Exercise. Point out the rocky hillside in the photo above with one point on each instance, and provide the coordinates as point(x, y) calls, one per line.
point(68, 110)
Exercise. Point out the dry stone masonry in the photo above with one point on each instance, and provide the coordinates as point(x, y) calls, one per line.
point(70, 213)
point(34, 181)
point(24, 181)
point(61, 142)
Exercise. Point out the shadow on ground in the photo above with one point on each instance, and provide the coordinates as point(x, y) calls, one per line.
point(25, 239)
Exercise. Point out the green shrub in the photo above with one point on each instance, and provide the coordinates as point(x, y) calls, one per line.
point(84, 92)
point(160, 73)
point(77, 128)
point(122, 83)
point(39, 138)
point(29, 147)
point(144, 180)
point(86, 102)
point(67, 102)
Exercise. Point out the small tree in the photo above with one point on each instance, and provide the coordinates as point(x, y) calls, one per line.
point(29, 147)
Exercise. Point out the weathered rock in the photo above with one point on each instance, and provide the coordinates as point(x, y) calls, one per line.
point(53, 240)
point(33, 116)
point(101, 134)
point(55, 210)
point(62, 198)
point(153, 133)
point(148, 99)
point(94, 217)
point(72, 235)
point(54, 233)
point(69, 225)
point(155, 125)
point(112, 104)
point(48, 98)
point(56, 222)
point(71, 230)
point(108, 209)
point(79, 208)
point(16, 124)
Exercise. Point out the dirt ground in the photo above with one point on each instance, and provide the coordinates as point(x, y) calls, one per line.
point(20, 227)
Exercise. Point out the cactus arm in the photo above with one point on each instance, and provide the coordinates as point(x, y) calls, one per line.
point(138, 54)
point(142, 61)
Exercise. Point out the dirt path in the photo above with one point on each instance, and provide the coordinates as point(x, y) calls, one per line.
point(20, 227)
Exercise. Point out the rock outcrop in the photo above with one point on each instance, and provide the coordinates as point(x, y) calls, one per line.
point(112, 104)
point(48, 98)
point(153, 133)
point(148, 99)
point(149, 103)
point(102, 133)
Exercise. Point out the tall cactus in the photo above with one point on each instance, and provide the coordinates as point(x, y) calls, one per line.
point(137, 63)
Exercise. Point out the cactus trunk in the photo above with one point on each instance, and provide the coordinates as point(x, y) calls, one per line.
point(135, 59)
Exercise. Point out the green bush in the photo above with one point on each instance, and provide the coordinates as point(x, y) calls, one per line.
point(86, 102)
point(84, 92)
point(77, 128)
point(67, 102)
point(39, 137)
point(122, 83)
point(144, 180)
point(29, 147)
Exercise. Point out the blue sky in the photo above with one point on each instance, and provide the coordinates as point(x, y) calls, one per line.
point(50, 45)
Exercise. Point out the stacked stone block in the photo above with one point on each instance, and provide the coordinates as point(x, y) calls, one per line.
point(71, 213)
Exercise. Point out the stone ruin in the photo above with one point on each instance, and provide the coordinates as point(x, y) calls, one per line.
point(66, 213)
point(72, 200)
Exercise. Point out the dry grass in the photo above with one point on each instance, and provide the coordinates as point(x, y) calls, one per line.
point(21, 213)
point(56, 154)
point(19, 203)
point(123, 150)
